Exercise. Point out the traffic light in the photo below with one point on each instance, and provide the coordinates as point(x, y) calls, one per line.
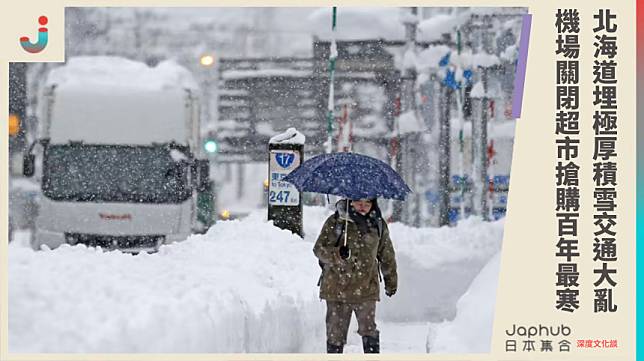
point(17, 99)
point(210, 146)
point(14, 125)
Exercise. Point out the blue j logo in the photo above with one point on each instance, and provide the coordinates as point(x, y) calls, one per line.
point(284, 159)
point(40, 44)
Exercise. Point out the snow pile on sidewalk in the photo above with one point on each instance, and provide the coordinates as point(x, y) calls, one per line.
point(245, 286)
point(432, 247)
point(436, 266)
point(471, 330)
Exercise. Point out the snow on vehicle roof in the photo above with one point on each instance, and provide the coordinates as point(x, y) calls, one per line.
point(112, 71)
point(97, 97)
point(110, 114)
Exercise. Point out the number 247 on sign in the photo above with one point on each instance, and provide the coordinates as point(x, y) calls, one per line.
point(281, 196)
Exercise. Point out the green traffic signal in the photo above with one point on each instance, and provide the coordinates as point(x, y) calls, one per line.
point(210, 146)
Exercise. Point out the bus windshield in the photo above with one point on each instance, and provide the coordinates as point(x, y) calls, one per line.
point(114, 173)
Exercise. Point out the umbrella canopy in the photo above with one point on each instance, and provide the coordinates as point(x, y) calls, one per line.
point(348, 175)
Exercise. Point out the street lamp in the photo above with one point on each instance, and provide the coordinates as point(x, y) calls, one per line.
point(207, 60)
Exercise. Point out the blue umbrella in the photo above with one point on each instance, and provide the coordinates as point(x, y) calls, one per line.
point(348, 175)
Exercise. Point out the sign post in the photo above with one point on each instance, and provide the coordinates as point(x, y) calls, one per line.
point(286, 153)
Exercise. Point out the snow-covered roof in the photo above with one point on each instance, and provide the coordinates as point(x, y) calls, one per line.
point(433, 28)
point(409, 59)
point(90, 72)
point(233, 92)
point(510, 53)
point(264, 73)
point(478, 91)
point(487, 10)
point(467, 59)
point(430, 57)
point(358, 23)
point(409, 123)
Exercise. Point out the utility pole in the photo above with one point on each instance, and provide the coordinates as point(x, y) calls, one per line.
point(405, 158)
point(480, 108)
point(444, 156)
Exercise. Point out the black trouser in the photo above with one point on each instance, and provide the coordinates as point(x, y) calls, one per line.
point(338, 319)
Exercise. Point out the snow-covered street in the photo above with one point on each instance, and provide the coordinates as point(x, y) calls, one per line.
point(182, 131)
point(245, 286)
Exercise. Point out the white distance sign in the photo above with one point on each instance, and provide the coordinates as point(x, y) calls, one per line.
point(282, 193)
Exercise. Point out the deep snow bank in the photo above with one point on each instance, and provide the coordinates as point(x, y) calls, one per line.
point(471, 330)
point(436, 266)
point(245, 286)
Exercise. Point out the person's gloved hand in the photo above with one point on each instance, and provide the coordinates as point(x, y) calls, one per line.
point(344, 252)
point(390, 293)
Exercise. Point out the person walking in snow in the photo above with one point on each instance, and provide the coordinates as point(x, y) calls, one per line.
point(353, 249)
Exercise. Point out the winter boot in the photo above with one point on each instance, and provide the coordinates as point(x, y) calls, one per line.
point(371, 344)
point(331, 348)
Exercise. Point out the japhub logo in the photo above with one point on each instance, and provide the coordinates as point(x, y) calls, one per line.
point(39, 45)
